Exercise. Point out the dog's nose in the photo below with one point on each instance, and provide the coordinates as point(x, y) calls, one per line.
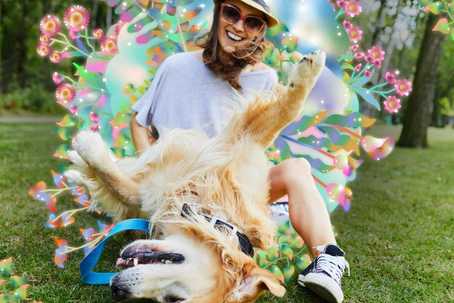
point(119, 290)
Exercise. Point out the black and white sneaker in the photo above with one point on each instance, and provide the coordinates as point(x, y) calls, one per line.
point(323, 276)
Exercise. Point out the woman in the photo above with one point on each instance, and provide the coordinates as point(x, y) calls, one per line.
point(196, 90)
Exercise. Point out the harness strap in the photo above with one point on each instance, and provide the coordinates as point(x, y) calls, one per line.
point(245, 244)
point(88, 264)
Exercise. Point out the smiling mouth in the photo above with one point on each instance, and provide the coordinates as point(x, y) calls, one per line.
point(134, 256)
point(233, 37)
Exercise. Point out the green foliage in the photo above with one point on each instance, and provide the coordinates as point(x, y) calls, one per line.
point(445, 9)
point(445, 86)
point(286, 259)
point(445, 106)
point(13, 288)
point(20, 66)
point(34, 99)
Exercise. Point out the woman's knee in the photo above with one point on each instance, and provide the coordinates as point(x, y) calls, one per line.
point(295, 170)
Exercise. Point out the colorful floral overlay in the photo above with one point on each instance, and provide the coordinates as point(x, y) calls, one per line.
point(288, 258)
point(13, 288)
point(445, 10)
point(331, 143)
point(361, 65)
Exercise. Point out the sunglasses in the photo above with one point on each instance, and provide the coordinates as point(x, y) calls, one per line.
point(232, 14)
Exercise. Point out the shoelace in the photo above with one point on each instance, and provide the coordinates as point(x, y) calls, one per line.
point(333, 266)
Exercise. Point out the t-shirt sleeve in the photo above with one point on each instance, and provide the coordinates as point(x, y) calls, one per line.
point(146, 104)
point(273, 79)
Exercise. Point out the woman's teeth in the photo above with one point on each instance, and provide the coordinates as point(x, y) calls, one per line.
point(234, 37)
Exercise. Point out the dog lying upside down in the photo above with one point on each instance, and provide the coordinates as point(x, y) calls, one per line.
point(207, 200)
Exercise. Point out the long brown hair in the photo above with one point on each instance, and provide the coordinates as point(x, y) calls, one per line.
point(224, 65)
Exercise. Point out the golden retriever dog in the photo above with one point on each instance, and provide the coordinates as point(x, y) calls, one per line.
point(207, 199)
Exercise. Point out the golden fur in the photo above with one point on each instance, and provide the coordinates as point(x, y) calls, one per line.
point(225, 176)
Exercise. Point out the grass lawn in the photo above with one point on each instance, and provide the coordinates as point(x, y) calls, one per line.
point(399, 234)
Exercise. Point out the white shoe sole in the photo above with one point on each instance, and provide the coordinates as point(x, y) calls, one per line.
point(323, 286)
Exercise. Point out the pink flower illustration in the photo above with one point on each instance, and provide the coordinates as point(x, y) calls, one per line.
point(347, 24)
point(109, 46)
point(57, 78)
point(98, 34)
point(73, 110)
point(375, 56)
point(44, 39)
point(43, 50)
point(359, 56)
point(73, 35)
point(354, 48)
point(355, 34)
point(55, 57)
point(65, 93)
point(94, 117)
point(341, 3)
point(392, 104)
point(391, 77)
point(50, 25)
point(403, 87)
point(76, 18)
point(358, 67)
point(352, 8)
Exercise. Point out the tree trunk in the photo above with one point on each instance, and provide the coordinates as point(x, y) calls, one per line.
point(420, 104)
point(379, 23)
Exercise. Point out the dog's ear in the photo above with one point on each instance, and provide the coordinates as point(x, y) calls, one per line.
point(254, 284)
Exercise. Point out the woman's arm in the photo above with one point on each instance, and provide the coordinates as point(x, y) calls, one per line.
point(141, 136)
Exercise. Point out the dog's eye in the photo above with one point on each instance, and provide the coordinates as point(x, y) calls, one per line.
point(172, 299)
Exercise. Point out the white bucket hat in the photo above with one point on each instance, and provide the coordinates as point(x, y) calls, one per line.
point(264, 8)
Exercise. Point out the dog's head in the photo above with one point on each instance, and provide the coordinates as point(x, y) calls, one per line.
point(191, 266)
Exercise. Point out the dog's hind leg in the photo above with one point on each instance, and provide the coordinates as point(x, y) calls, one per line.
point(264, 119)
point(104, 171)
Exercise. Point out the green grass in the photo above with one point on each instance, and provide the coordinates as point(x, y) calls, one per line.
point(398, 234)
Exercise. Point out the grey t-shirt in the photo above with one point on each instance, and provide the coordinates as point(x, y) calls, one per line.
point(186, 94)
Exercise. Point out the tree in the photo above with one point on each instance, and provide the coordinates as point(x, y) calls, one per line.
point(420, 104)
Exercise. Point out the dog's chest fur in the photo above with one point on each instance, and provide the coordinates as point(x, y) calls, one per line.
point(226, 181)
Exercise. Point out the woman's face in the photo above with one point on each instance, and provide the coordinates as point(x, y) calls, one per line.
point(233, 36)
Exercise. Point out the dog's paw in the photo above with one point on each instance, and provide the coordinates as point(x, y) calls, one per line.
point(74, 176)
point(309, 68)
point(90, 147)
point(76, 159)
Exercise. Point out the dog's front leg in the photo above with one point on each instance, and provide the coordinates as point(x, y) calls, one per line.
point(263, 120)
point(91, 148)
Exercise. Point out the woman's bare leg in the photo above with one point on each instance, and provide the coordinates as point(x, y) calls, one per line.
point(308, 213)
